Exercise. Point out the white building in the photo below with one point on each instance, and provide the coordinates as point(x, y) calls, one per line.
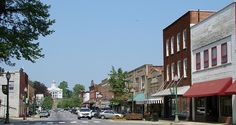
point(213, 47)
point(55, 91)
point(17, 83)
point(39, 100)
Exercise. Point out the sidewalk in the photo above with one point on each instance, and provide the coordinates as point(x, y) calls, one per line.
point(167, 122)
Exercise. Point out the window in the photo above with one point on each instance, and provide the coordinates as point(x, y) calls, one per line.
point(185, 67)
point(178, 68)
point(143, 82)
point(167, 47)
point(184, 38)
point(226, 105)
point(172, 71)
point(214, 56)
point(178, 42)
point(206, 59)
point(224, 53)
point(172, 45)
point(167, 72)
point(198, 61)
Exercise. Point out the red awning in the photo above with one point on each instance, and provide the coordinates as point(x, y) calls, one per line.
point(209, 88)
point(231, 89)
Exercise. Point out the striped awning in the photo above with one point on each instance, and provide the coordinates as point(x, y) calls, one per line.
point(157, 100)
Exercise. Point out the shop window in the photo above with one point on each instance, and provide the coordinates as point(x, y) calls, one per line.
point(214, 56)
point(198, 61)
point(178, 68)
point(226, 106)
point(172, 71)
point(224, 53)
point(206, 59)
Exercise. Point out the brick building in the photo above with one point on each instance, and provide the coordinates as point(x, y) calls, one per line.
point(177, 61)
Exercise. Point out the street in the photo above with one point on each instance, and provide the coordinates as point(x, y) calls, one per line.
point(67, 118)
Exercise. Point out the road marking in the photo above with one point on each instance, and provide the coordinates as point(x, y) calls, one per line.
point(61, 122)
point(49, 122)
point(97, 121)
point(73, 122)
point(84, 121)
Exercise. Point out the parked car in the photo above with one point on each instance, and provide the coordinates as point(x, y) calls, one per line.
point(74, 111)
point(108, 114)
point(84, 113)
point(44, 114)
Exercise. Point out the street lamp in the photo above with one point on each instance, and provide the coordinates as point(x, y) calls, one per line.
point(8, 76)
point(25, 101)
point(173, 91)
point(132, 106)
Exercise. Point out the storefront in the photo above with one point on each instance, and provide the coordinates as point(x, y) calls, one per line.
point(183, 103)
point(210, 102)
point(155, 106)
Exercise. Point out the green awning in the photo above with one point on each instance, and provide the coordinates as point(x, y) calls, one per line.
point(139, 97)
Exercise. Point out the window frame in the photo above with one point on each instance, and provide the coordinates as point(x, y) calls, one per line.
point(167, 72)
point(178, 42)
point(198, 61)
point(226, 53)
point(206, 58)
point(172, 45)
point(185, 67)
point(172, 70)
point(167, 47)
point(184, 38)
point(213, 59)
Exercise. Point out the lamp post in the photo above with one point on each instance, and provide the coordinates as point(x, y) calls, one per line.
point(132, 106)
point(25, 101)
point(8, 76)
point(173, 91)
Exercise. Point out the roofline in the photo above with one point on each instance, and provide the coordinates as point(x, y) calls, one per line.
point(188, 12)
point(140, 67)
point(217, 12)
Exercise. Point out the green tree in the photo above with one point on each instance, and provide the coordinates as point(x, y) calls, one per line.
point(117, 81)
point(66, 92)
point(40, 88)
point(78, 88)
point(47, 102)
point(22, 23)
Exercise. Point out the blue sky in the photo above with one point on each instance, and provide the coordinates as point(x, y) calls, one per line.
point(93, 35)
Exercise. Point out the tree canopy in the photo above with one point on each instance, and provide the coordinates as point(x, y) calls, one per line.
point(22, 22)
point(78, 88)
point(47, 102)
point(66, 92)
point(117, 81)
point(40, 88)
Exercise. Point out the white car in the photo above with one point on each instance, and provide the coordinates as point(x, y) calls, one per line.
point(109, 114)
point(84, 113)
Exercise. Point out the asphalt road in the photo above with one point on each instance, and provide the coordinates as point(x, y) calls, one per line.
point(67, 118)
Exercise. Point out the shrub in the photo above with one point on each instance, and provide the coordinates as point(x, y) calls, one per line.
point(134, 116)
point(116, 117)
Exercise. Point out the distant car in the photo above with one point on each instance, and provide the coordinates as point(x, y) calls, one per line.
point(84, 113)
point(108, 114)
point(44, 114)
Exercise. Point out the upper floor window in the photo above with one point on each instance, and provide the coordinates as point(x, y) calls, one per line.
point(224, 53)
point(185, 67)
point(178, 42)
point(178, 68)
point(198, 61)
point(184, 39)
point(214, 56)
point(172, 45)
point(172, 71)
point(167, 72)
point(167, 47)
point(206, 58)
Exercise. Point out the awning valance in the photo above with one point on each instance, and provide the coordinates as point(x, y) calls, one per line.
point(157, 100)
point(231, 89)
point(166, 92)
point(209, 88)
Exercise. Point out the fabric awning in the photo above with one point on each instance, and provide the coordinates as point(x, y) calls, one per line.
point(180, 91)
point(231, 89)
point(157, 100)
point(139, 98)
point(209, 88)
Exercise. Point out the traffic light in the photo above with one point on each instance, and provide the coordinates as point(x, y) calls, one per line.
point(4, 89)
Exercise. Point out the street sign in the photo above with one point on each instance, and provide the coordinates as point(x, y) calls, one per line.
point(4, 89)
